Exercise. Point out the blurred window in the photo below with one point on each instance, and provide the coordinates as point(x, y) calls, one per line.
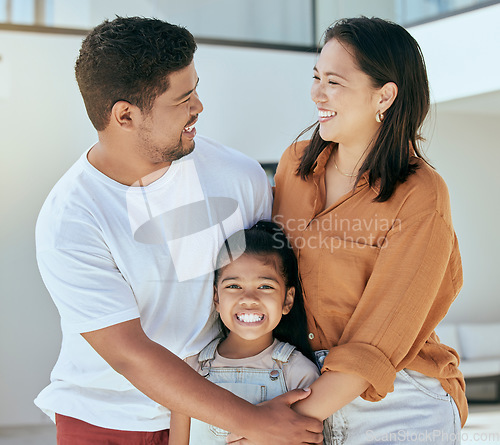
point(287, 23)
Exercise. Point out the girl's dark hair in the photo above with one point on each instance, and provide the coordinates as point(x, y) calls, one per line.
point(386, 52)
point(266, 238)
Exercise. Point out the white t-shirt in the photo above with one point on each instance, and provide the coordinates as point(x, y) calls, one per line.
point(110, 253)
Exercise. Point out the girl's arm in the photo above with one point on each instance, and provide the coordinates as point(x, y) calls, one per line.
point(330, 392)
point(179, 429)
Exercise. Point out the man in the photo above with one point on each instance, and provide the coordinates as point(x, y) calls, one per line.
point(126, 243)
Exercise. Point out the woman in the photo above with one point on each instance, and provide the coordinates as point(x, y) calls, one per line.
point(370, 222)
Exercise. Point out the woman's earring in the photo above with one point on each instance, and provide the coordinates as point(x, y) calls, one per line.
point(379, 117)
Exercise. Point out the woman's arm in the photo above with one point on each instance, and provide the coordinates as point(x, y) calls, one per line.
point(179, 429)
point(330, 392)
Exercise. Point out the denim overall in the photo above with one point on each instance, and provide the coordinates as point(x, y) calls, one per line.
point(253, 385)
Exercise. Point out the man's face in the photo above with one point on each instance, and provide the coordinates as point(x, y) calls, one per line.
point(167, 131)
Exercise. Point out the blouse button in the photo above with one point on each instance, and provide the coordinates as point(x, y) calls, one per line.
point(311, 336)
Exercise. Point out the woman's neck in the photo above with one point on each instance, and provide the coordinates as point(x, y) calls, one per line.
point(236, 347)
point(341, 173)
point(349, 159)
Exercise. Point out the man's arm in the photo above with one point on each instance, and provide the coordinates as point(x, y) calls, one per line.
point(166, 379)
point(180, 425)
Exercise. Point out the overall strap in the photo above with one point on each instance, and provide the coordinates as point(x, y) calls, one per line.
point(282, 352)
point(208, 352)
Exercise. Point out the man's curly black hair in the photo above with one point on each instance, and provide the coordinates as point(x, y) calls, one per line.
point(129, 58)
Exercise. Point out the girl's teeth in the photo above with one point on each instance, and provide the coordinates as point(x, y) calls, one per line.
point(189, 129)
point(249, 318)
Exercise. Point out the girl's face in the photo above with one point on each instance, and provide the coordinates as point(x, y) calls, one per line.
point(251, 296)
point(346, 100)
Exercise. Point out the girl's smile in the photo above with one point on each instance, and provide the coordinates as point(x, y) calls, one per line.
point(247, 318)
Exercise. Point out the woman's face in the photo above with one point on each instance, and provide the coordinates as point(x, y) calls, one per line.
point(346, 100)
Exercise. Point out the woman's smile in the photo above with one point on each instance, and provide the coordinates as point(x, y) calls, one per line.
point(325, 115)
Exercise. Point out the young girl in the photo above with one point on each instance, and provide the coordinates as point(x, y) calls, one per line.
point(257, 295)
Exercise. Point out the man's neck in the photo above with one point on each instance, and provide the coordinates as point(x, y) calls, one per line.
point(125, 168)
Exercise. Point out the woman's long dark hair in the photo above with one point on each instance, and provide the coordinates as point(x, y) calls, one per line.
point(386, 52)
point(265, 239)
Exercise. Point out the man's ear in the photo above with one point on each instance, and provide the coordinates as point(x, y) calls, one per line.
point(125, 115)
point(386, 96)
point(288, 303)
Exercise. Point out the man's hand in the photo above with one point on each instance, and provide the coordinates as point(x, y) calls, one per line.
point(282, 426)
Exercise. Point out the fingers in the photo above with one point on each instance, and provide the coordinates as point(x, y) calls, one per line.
point(242, 441)
point(293, 396)
point(234, 438)
point(314, 431)
point(316, 439)
point(278, 424)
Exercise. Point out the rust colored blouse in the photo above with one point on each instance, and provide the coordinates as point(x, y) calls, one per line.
point(377, 277)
